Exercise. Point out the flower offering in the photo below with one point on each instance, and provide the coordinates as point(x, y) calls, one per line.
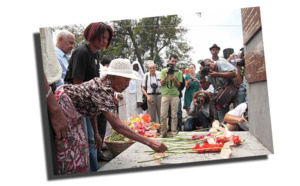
point(139, 123)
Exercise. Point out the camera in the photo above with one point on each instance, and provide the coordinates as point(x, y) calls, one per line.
point(205, 71)
point(154, 86)
point(171, 70)
point(241, 63)
point(198, 101)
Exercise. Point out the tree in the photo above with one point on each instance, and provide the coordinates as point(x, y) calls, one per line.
point(153, 38)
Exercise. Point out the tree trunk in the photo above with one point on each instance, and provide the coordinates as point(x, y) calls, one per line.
point(136, 49)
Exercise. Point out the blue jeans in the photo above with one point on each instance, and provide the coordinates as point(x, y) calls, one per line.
point(89, 131)
point(191, 123)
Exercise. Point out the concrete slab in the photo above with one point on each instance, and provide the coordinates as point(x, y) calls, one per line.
point(130, 157)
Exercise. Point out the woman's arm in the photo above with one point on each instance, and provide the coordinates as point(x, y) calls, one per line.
point(98, 140)
point(233, 119)
point(127, 132)
point(58, 120)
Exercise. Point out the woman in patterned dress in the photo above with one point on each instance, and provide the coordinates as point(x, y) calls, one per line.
point(90, 99)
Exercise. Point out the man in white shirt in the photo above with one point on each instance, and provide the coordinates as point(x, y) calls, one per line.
point(152, 92)
point(64, 45)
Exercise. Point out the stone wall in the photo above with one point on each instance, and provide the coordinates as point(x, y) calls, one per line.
point(258, 99)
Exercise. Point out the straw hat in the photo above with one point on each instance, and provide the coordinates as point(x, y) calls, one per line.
point(150, 62)
point(120, 67)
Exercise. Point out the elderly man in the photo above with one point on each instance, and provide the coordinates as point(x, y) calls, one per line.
point(151, 88)
point(64, 45)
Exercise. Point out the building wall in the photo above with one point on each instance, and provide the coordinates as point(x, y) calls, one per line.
point(258, 102)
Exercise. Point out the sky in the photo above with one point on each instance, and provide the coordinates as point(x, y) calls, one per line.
point(211, 28)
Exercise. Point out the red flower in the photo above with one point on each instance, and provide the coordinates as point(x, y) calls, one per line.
point(147, 118)
point(206, 147)
point(196, 147)
point(236, 139)
point(141, 131)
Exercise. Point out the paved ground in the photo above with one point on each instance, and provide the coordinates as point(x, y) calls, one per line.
point(106, 153)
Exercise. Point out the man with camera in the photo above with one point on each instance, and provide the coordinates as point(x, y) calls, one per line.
point(199, 112)
point(218, 74)
point(170, 82)
point(239, 62)
point(152, 90)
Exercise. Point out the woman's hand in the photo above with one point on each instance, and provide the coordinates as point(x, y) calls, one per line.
point(59, 122)
point(158, 146)
point(98, 141)
point(242, 119)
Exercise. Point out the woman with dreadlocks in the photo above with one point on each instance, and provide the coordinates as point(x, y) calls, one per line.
point(200, 112)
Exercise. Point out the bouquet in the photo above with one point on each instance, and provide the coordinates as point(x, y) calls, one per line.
point(139, 123)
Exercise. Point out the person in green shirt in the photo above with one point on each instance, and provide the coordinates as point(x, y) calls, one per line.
point(170, 82)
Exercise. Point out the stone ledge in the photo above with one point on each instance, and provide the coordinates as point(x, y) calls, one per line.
point(136, 153)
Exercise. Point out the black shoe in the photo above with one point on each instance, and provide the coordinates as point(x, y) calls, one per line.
point(101, 157)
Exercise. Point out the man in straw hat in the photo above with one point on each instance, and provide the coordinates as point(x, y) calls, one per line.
point(90, 99)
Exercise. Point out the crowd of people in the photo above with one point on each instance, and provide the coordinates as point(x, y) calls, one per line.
point(85, 94)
